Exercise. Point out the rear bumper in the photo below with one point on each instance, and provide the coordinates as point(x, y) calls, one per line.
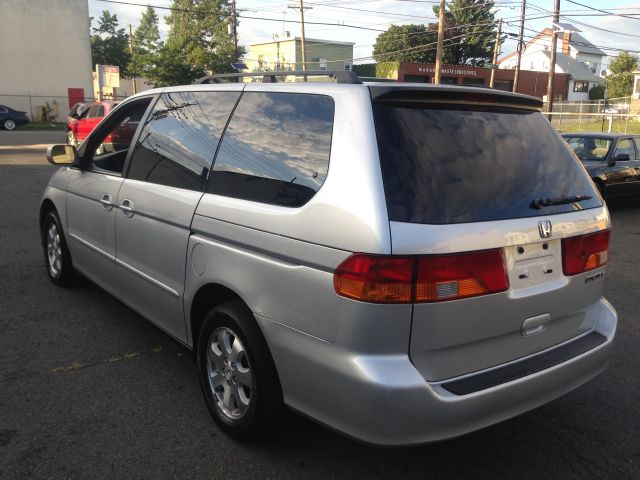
point(383, 399)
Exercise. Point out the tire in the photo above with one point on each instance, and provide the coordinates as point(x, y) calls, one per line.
point(56, 254)
point(237, 375)
point(9, 124)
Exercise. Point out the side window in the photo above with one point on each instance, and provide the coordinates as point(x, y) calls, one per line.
point(625, 145)
point(178, 143)
point(100, 112)
point(111, 152)
point(276, 149)
point(637, 142)
point(93, 112)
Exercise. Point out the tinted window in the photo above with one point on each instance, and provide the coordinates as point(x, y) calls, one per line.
point(93, 111)
point(446, 164)
point(178, 143)
point(276, 149)
point(590, 149)
point(625, 146)
point(111, 152)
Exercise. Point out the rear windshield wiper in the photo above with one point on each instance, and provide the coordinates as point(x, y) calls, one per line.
point(547, 202)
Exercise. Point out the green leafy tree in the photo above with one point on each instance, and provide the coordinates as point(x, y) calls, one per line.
point(470, 32)
point(110, 44)
point(620, 80)
point(405, 43)
point(199, 42)
point(469, 36)
point(146, 45)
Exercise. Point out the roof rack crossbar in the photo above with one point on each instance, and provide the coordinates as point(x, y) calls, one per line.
point(341, 76)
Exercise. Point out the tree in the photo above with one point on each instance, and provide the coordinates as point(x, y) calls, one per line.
point(146, 45)
point(469, 33)
point(620, 80)
point(199, 42)
point(405, 43)
point(110, 44)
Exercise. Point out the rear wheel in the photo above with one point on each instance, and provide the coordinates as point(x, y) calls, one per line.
point(9, 124)
point(56, 254)
point(237, 374)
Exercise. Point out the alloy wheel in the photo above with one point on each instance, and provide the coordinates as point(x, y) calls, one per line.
point(54, 250)
point(229, 373)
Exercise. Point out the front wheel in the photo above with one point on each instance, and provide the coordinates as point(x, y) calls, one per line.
point(237, 374)
point(56, 254)
point(9, 124)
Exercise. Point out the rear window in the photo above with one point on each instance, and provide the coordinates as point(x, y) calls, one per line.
point(455, 164)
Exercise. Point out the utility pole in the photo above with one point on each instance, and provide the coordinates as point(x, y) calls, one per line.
point(552, 62)
point(520, 46)
point(235, 33)
point(302, 39)
point(133, 80)
point(436, 78)
point(496, 52)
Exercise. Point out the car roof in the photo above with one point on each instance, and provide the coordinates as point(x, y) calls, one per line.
point(611, 136)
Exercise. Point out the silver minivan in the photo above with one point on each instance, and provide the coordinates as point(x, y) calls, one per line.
point(403, 263)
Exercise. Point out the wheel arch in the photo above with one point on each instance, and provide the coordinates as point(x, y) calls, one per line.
point(207, 297)
point(46, 207)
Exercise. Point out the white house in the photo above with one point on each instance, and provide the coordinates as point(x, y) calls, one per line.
point(575, 55)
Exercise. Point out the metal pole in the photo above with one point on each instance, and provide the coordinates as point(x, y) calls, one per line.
point(520, 48)
point(552, 62)
point(133, 80)
point(436, 78)
point(235, 33)
point(496, 52)
point(304, 55)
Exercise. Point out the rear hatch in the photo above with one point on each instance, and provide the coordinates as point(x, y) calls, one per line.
point(489, 200)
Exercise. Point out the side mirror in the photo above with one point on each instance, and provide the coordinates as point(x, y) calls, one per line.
point(62, 155)
point(622, 157)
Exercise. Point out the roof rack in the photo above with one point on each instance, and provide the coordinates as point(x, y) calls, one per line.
point(341, 76)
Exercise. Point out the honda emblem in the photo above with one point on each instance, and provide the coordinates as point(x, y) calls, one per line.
point(544, 227)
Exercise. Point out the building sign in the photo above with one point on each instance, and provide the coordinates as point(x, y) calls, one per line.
point(450, 71)
point(109, 76)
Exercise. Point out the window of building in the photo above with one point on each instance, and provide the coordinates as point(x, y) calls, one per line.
point(276, 149)
point(347, 66)
point(323, 64)
point(473, 81)
point(449, 80)
point(580, 86)
point(178, 142)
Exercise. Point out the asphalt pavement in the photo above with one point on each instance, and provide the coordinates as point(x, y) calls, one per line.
point(89, 389)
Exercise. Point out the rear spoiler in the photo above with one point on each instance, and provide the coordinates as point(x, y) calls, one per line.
point(451, 94)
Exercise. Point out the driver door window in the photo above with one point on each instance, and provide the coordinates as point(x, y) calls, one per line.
point(110, 152)
point(625, 146)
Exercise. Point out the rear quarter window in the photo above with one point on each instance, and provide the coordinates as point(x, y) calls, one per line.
point(276, 149)
point(446, 164)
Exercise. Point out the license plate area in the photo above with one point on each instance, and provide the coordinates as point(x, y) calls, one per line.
point(534, 264)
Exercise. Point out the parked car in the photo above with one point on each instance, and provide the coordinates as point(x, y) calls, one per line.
point(10, 118)
point(404, 263)
point(87, 117)
point(612, 160)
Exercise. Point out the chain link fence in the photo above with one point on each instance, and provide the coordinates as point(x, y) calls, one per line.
point(610, 105)
point(595, 122)
point(43, 108)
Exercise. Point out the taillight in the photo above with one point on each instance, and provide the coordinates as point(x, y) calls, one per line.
point(393, 279)
point(445, 277)
point(585, 252)
point(376, 279)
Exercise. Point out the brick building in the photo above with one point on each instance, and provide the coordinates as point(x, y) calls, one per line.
point(529, 82)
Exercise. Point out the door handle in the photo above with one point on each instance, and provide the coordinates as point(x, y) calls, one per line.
point(107, 201)
point(127, 208)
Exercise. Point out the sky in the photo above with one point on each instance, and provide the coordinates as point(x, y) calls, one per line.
point(373, 15)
